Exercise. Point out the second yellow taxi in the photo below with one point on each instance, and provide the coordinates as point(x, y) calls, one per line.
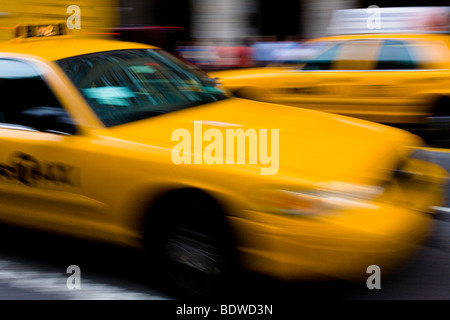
point(398, 76)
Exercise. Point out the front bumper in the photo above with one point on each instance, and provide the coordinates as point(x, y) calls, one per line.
point(315, 250)
point(343, 244)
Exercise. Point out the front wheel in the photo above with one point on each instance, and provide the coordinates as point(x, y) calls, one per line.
point(193, 249)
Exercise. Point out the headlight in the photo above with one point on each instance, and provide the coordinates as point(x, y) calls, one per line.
point(315, 202)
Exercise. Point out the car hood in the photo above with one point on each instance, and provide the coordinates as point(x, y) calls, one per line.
point(310, 143)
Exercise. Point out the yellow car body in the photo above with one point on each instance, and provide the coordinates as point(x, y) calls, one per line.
point(346, 193)
point(392, 78)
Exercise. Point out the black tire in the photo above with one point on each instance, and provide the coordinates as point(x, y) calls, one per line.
point(439, 124)
point(193, 248)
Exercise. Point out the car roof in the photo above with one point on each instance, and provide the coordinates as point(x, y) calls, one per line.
point(57, 48)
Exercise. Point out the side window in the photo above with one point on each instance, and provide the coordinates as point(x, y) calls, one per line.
point(324, 60)
point(357, 54)
point(395, 55)
point(25, 96)
point(430, 54)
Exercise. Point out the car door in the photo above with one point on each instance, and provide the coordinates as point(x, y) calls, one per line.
point(331, 81)
point(51, 180)
point(347, 88)
point(304, 87)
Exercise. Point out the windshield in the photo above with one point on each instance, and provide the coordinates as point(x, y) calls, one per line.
point(129, 85)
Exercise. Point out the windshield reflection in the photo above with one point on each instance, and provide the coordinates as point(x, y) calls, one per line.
point(129, 85)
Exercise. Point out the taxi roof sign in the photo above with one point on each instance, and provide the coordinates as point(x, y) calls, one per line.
point(41, 30)
point(390, 20)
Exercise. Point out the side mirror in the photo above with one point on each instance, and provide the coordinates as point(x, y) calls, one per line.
point(252, 93)
point(49, 119)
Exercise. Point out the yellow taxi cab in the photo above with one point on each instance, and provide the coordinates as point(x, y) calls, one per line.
point(398, 76)
point(123, 143)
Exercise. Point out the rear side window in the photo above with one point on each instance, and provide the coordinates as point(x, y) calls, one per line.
point(357, 55)
point(431, 54)
point(395, 55)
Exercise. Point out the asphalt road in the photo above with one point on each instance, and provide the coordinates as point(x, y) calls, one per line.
point(34, 266)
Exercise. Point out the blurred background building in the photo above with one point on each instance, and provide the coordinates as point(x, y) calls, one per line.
point(211, 33)
point(216, 33)
point(230, 21)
